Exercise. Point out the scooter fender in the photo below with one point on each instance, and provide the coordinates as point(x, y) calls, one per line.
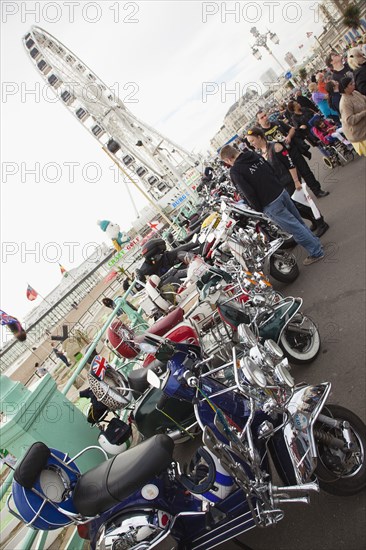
point(283, 312)
point(272, 247)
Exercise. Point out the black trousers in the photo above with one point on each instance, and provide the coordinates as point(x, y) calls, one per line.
point(304, 170)
point(304, 210)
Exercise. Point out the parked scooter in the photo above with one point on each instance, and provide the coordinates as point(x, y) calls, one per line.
point(144, 499)
point(250, 247)
point(268, 313)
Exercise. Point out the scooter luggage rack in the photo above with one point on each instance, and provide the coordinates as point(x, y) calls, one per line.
point(217, 336)
point(77, 519)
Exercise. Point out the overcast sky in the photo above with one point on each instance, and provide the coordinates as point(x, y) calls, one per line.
point(163, 55)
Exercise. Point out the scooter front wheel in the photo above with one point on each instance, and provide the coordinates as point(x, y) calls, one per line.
point(300, 340)
point(283, 267)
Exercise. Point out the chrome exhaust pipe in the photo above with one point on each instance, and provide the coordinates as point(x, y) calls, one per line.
point(305, 488)
point(301, 500)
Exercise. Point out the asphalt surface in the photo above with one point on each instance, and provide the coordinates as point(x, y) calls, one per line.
point(333, 291)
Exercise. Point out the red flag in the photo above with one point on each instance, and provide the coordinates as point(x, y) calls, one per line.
point(64, 273)
point(31, 293)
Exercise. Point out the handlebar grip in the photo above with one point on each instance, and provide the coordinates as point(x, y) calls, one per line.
point(190, 378)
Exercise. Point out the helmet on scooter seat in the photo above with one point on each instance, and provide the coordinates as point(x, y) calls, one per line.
point(116, 438)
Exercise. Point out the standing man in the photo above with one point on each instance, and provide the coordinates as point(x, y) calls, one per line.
point(280, 131)
point(62, 357)
point(255, 178)
point(339, 69)
point(305, 101)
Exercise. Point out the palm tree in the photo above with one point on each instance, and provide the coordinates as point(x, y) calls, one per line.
point(352, 16)
point(303, 73)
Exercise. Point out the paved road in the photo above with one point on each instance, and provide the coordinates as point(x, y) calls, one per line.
point(333, 293)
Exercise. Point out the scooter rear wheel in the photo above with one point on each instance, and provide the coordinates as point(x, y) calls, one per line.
point(283, 267)
point(341, 471)
point(300, 340)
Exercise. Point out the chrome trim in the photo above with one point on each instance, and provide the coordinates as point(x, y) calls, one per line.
point(303, 409)
point(85, 450)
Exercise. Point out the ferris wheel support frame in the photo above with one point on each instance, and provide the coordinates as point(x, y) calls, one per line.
point(147, 197)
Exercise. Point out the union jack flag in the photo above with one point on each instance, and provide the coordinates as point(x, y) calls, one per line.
point(6, 319)
point(98, 367)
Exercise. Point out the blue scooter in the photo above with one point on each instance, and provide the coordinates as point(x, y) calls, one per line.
point(149, 498)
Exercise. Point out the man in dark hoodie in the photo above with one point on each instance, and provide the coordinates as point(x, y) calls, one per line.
point(256, 180)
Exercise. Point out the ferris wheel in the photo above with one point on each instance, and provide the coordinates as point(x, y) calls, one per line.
point(138, 149)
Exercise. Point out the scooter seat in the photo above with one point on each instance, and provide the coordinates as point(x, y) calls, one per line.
point(168, 322)
point(137, 380)
point(119, 477)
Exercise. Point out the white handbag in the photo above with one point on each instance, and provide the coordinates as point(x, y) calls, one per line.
point(303, 197)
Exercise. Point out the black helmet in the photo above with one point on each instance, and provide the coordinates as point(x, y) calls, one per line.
point(153, 248)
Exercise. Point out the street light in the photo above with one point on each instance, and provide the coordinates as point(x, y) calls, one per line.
point(273, 36)
point(261, 42)
point(257, 54)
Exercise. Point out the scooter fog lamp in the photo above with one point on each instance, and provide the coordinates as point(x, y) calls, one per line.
point(273, 349)
point(253, 373)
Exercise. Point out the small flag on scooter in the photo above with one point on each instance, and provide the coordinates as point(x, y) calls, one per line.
point(98, 367)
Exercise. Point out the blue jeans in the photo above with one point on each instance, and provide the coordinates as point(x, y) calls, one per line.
point(283, 212)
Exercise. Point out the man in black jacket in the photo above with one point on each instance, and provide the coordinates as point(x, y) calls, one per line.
point(279, 131)
point(255, 178)
point(160, 264)
point(339, 69)
point(305, 101)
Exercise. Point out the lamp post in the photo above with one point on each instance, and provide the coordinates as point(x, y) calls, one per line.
point(261, 42)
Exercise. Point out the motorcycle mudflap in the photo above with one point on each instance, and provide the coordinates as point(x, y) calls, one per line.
point(151, 421)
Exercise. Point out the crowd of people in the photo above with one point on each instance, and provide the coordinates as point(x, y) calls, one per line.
point(270, 161)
